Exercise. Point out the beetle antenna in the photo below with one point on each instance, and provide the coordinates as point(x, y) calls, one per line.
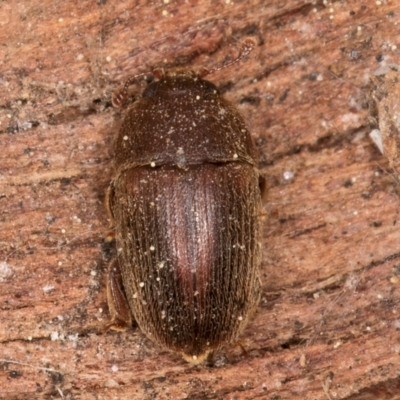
point(119, 97)
point(247, 46)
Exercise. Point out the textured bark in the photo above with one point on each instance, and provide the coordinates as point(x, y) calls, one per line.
point(328, 323)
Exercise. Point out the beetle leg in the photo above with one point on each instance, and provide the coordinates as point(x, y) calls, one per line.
point(119, 309)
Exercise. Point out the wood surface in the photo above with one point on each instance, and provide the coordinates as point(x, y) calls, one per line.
point(328, 324)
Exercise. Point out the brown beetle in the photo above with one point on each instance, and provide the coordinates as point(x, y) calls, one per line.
point(185, 205)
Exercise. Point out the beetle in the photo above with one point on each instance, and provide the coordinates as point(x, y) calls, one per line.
point(184, 204)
